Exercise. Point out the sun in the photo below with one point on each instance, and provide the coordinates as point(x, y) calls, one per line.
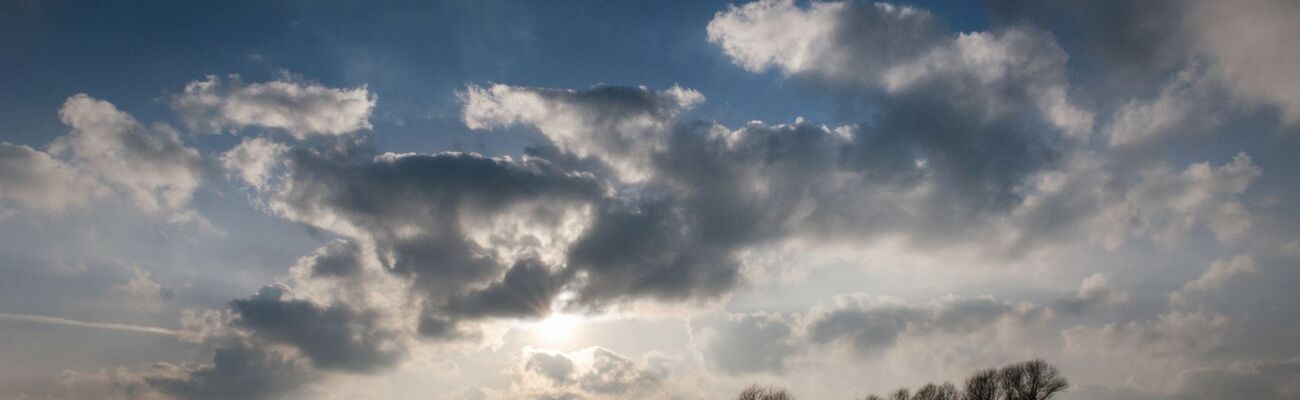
point(557, 328)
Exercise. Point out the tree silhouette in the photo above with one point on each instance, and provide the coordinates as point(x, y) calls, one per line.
point(1029, 380)
point(983, 385)
point(755, 392)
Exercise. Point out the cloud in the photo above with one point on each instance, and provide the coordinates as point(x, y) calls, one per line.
point(1138, 43)
point(1215, 277)
point(899, 49)
point(1092, 201)
point(620, 125)
point(750, 343)
point(149, 166)
point(332, 337)
point(297, 108)
point(142, 284)
point(839, 40)
point(869, 326)
point(1096, 289)
point(253, 160)
point(452, 224)
point(1255, 379)
point(33, 180)
point(85, 324)
point(872, 324)
point(1251, 44)
point(241, 371)
point(108, 154)
point(1192, 101)
point(592, 372)
point(1174, 334)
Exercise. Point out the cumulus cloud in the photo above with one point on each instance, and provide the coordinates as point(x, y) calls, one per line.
point(330, 336)
point(1096, 289)
point(150, 166)
point(900, 50)
point(433, 220)
point(1251, 44)
point(749, 343)
point(1192, 101)
point(280, 341)
point(872, 324)
point(107, 154)
point(253, 160)
point(973, 139)
point(1215, 277)
point(297, 108)
point(33, 180)
point(1244, 47)
point(1091, 201)
point(592, 372)
point(1174, 334)
point(868, 326)
point(1253, 379)
point(620, 125)
point(142, 284)
point(240, 371)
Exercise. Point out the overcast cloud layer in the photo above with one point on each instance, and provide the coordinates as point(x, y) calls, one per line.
point(838, 197)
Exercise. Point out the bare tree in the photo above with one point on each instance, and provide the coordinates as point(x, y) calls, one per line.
point(983, 385)
point(937, 392)
point(755, 392)
point(900, 394)
point(1031, 380)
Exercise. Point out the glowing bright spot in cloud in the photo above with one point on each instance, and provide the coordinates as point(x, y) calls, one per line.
point(557, 328)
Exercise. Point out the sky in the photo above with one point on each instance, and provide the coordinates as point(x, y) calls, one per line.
point(653, 200)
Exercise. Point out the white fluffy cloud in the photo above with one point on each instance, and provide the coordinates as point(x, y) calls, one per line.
point(33, 180)
point(1190, 102)
point(622, 126)
point(299, 109)
point(107, 152)
point(593, 372)
point(901, 49)
point(150, 166)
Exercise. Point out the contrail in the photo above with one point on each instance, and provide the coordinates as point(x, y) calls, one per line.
point(84, 324)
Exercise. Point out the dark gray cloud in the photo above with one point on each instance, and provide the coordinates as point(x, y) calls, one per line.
point(429, 217)
point(526, 290)
point(332, 337)
point(1134, 42)
point(241, 371)
point(339, 258)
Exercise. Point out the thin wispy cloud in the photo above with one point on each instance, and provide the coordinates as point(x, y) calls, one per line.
point(42, 319)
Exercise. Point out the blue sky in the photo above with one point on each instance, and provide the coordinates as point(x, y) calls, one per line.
point(414, 55)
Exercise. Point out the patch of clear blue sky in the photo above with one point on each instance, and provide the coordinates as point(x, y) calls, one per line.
point(414, 55)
